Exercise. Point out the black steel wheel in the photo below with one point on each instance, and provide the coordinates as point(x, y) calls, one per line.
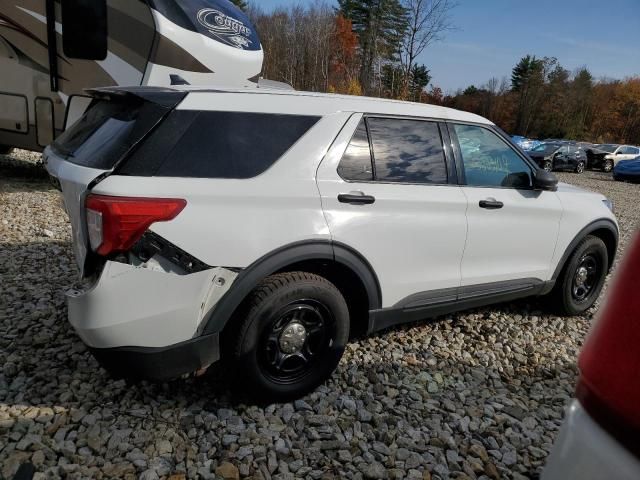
point(586, 277)
point(581, 279)
point(292, 334)
point(298, 335)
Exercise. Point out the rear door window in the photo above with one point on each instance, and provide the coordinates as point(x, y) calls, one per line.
point(356, 165)
point(407, 151)
point(629, 151)
point(211, 144)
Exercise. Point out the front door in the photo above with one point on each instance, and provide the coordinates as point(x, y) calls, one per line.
point(385, 193)
point(513, 229)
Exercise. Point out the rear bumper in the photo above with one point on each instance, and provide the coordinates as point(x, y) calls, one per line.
point(160, 364)
point(585, 451)
point(145, 323)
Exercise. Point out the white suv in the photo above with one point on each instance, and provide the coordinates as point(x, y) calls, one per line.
point(270, 226)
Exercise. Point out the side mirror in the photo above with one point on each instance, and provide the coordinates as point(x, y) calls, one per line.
point(543, 180)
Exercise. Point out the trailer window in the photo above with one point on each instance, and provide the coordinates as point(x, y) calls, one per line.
point(84, 29)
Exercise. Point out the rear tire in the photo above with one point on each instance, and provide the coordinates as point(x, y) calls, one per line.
point(607, 166)
point(581, 280)
point(5, 150)
point(293, 334)
point(580, 167)
point(548, 165)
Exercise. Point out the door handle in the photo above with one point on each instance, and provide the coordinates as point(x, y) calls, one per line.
point(356, 198)
point(491, 204)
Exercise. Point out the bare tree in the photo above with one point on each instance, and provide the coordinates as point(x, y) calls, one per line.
point(429, 20)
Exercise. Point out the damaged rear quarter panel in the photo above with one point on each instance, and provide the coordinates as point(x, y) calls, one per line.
point(136, 306)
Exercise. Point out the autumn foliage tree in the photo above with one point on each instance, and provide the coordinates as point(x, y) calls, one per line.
point(344, 67)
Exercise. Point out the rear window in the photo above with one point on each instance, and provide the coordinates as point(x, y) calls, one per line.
point(106, 132)
point(209, 144)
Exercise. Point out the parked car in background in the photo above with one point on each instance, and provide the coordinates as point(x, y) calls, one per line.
point(525, 143)
point(559, 156)
point(627, 170)
point(600, 437)
point(607, 155)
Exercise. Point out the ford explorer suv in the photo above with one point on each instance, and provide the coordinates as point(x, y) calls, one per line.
point(268, 227)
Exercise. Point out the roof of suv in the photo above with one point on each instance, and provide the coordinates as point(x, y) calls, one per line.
point(311, 103)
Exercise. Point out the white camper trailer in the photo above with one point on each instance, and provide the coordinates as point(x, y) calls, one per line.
point(51, 50)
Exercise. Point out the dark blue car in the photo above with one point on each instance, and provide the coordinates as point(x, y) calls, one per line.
point(627, 170)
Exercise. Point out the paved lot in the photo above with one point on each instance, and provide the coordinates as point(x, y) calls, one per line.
point(474, 395)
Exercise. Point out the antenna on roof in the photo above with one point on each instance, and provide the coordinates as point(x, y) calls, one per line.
point(178, 80)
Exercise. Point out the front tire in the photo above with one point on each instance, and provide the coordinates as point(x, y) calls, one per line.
point(607, 166)
point(293, 334)
point(580, 167)
point(581, 280)
point(548, 165)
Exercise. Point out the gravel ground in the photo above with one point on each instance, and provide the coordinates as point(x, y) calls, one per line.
point(475, 395)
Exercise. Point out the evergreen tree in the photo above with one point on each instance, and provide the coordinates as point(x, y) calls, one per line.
point(241, 4)
point(419, 78)
point(380, 25)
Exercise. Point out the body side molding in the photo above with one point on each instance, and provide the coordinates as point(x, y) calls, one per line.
point(281, 258)
point(448, 300)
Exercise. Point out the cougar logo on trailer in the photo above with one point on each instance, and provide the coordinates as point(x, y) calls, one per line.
point(225, 28)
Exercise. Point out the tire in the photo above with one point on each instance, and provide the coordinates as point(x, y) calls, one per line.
point(270, 362)
point(576, 290)
point(548, 165)
point(580, 167)
point(607, 166)
point(5, 150)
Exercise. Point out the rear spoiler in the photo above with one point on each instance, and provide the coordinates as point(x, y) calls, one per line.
point(162, 96)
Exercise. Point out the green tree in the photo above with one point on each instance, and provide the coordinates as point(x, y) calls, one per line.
point(419, 79)
point(381, 26)
point(241, 4)
point(527, 80)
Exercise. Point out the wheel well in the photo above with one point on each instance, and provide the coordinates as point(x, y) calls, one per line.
point(610, 241)
point(346, 280)
point(349, 284)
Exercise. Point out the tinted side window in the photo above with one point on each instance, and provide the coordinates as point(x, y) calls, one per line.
point(489, 161)
point(407, 151)
point(217, 144)
point(356, 161)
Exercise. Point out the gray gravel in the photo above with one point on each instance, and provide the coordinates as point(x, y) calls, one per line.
point(475, 395)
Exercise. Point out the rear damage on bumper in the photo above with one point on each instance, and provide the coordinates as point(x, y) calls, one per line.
point(142, 322)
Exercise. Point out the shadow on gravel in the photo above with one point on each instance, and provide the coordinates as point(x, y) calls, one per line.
point(16, 172)
point(43, 364)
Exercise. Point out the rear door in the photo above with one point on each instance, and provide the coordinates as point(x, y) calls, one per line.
point(512, 229)
point(385, 193)
point(92, 147)
point(627, 153)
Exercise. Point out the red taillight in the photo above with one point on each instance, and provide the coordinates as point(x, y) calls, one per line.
point(115, 224)
point(609, 386)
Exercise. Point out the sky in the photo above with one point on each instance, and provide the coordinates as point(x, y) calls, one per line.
point(492, 35)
